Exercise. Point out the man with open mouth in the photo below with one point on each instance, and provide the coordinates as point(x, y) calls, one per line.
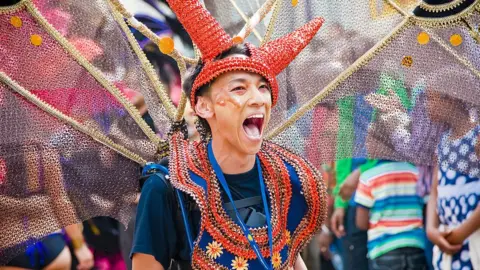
point(237, 202)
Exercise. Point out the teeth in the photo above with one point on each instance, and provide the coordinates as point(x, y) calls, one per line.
point(255, 116)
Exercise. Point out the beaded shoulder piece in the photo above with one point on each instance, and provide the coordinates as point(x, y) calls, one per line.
point(188, 158)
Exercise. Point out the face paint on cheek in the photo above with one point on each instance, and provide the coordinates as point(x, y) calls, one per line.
point(224, 97)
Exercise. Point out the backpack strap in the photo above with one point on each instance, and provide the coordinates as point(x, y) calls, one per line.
point(186, 221)
point(151, 168)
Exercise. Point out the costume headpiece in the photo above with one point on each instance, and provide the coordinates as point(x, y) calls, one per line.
point(211, 39)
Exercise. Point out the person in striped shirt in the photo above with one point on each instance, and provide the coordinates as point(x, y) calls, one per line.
point(389, 207)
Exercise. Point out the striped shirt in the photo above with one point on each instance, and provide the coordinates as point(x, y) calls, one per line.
point(388, 190)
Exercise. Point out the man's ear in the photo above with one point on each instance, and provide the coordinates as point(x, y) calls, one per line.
point(204, 107)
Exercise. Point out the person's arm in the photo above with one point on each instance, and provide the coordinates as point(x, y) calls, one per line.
point(437, 237)
point(432, 217)
point(300, 264)
point(156, 239)
point(145, 261)
point(471, 225)
point(364, 200)
point(362, 218)
point(80, 248)
point(343, 168)
point(350, 185)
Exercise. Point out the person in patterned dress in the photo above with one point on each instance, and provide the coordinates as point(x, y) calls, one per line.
point(453, 215)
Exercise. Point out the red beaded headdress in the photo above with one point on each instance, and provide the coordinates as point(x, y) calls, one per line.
point(211, 39)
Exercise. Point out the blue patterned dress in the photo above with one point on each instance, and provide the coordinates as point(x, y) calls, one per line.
point(458, 188)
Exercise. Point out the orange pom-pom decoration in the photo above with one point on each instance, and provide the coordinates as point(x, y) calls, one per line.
point(166, 45)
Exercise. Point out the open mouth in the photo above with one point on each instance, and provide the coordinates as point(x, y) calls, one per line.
point(253, 126)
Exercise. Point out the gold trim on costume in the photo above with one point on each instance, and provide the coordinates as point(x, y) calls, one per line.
point(97, 136)
point(448, 20)
point(181, 107)
point(390, 9)
point(408, 21)
point(13, 8)
point(271, 23)
point(181, 60)
point(147, 66)
point(397, 7)
point(75, 54)
point(362, 61)
point(453, 52)
point(245, 18)
point(440, 7)
point(256, 18)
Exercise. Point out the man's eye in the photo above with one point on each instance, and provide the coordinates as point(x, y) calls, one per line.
point(264, 87)
point(239, 88)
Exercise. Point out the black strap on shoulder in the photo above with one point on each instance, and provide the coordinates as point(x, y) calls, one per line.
point(243, 203)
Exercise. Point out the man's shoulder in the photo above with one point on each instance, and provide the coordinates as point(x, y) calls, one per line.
point(388, 170)
point(158, 183)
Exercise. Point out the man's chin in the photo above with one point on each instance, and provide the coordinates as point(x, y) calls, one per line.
point(252, 148)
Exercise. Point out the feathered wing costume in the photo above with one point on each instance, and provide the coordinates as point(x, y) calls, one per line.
point(72, 145)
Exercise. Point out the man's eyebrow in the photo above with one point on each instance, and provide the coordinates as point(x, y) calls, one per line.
point(238, 80)
point(263, 80)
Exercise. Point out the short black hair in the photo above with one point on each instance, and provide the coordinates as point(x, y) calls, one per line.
point(202, 125)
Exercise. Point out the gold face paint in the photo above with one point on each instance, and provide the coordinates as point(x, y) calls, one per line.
point(224, 96)
point(241, 104)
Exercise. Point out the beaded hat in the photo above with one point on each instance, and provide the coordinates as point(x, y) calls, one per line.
point(211, 39)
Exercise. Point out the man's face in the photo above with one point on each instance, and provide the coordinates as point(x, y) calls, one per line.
point(239, 110)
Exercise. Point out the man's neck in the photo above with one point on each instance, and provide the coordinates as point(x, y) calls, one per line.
point(230, 160)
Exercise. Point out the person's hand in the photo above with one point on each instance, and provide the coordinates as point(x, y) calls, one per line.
point(337, 222)
point(349, 186)
point(325, 239)
point(439, 239)
point(457, 236)
point(84, 257)
point(347, 190)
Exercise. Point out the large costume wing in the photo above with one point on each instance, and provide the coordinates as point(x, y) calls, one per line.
point(71, 142)
point(374, 80)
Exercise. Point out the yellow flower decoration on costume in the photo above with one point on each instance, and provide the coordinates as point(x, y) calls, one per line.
point(214, 250)
point(276, 260)
point(239, 264)
point(288, 236)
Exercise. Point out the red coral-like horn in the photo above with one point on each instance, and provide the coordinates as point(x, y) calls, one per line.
point(280, 52)
point(205, 31)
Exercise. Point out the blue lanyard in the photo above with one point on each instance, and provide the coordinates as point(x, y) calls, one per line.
point(245, 230)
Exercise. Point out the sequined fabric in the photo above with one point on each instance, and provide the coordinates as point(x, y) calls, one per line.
point(53, 174)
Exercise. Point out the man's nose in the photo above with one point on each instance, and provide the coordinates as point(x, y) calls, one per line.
point(257, 97)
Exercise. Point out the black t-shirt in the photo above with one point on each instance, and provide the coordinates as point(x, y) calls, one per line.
point(157, 231)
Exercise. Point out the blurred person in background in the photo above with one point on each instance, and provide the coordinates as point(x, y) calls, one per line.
point(388, 206)
point(453, 214)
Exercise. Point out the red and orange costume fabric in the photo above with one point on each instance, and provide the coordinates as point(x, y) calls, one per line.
point(296, 191)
